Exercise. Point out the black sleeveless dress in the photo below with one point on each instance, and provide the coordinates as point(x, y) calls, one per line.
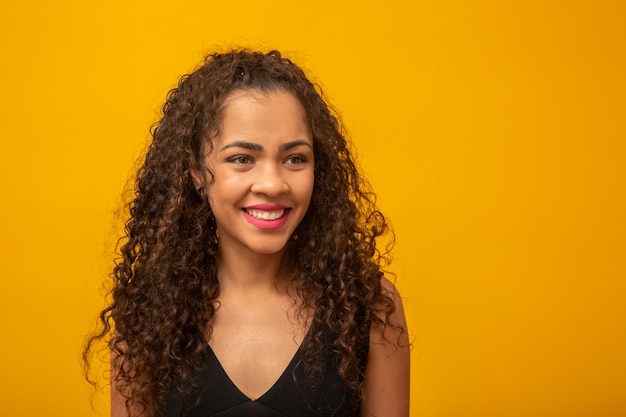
point(292, 395)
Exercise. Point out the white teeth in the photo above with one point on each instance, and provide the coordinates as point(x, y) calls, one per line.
point(265, 215)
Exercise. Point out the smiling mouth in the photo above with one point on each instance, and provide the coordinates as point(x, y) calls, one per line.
point(267, 215)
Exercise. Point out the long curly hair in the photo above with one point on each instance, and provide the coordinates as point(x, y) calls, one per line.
point(165, 283)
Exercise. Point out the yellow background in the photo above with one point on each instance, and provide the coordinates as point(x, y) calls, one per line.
point(493, 132)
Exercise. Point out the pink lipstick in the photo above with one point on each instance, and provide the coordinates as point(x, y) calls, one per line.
point(266, 216)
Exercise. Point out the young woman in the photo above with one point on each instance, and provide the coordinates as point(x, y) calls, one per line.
point(250, 283)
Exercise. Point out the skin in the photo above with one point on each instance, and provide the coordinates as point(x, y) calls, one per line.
point(387, 372)
point(264, 155)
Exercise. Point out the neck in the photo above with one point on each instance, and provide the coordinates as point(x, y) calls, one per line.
point(253, 274)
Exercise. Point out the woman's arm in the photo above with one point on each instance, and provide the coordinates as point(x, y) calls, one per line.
point(118, 402)
point(387, 373)
point(118, 398)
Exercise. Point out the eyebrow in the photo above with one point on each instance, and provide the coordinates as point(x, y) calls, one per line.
point(300, 142)
point(256, 147)
point(241, 144)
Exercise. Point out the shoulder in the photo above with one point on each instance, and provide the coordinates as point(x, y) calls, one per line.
point(387, 373)
point(391, 330)
point(390, 290)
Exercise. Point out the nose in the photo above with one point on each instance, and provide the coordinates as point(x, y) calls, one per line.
point(269, 180)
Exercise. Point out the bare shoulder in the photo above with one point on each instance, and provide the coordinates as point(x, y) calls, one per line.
point(390, 289)
point(396, 322)
point(387, 373)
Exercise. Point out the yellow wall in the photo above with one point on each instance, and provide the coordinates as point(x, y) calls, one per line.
point(493, 132)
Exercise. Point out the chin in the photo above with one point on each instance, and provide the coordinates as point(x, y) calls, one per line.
point(268, 250)
point(268, 246)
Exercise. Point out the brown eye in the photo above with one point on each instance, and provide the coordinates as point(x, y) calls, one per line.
point(295, 160)
point(241, 160)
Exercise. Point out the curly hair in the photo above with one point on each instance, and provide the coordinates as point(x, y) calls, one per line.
point(165, 281)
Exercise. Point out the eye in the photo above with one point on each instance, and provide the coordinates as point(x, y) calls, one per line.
point(241, 160)
point(295, 160)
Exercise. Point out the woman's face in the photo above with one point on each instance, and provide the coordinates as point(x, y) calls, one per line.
point(262, 161)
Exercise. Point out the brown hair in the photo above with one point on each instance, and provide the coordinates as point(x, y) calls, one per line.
point(165, 282)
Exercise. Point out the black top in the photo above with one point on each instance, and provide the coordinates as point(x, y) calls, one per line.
point(292, 395)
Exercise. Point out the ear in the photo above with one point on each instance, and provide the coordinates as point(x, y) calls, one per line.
point(197, 172)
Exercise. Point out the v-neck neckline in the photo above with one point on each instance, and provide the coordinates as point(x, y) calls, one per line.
point(285, 374)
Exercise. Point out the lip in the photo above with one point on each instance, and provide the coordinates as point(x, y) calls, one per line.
point(267, 224)
point(267, 207)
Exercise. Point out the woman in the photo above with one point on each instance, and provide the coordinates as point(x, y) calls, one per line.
point(250, 283)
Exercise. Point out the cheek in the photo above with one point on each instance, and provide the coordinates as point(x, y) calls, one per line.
point(219, 194)
point(226, 187)
point(306, 190)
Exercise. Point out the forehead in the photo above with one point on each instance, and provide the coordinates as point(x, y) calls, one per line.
point(254, 113)
point(257, 100)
